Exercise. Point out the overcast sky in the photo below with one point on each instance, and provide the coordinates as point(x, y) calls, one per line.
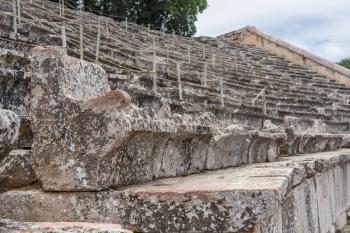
point(319, 26)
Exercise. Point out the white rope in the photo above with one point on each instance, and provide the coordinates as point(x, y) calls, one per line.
point(19, 11)
point(81, 36)
point(64, 40)
point(14, 17)
point(178, 72)
point(98, 41)
point(154, 66)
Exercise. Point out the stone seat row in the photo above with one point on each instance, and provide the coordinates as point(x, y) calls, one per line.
point(292, 194)
point(313, 103)
point(116, 130)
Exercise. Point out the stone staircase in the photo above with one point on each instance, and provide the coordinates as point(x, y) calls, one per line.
point(162, 133)
point(296, 89)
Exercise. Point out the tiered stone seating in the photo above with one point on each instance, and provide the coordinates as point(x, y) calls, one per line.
point(294, 194)
point(171, 148)
point(167, 134)
point(128, 52)
point(309, 136)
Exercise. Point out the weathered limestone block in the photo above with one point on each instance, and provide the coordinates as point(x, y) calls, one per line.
point(9, 131)
point(299, 209)
point(294, 195)
point(172, 150)
point(297, 194)
point(309, 136)
point(8, 226)
point(75, 123)
point(89, 138)
point(268, 126)
point(35, 205)
point(25, 139)
point(14, 82)
point(346, 141)
point(16, 170)
point(15, 71)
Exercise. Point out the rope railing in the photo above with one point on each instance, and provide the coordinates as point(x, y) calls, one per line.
point(179, 54)
point(218, 59)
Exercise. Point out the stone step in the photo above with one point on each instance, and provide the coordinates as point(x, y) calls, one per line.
point(292, 194)
point(8, 226)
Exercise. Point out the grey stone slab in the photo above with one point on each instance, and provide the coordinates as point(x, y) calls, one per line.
point(16, 170)
point(8, 226)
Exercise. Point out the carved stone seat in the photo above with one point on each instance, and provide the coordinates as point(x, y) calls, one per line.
point(87, 137)
point(309, 136)
point(74, 120)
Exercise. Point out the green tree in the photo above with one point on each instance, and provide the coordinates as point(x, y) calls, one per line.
point(345, 62)
point(177, 16)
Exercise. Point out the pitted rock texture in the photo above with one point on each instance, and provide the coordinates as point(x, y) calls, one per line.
point(172, 150)
point(305, 193)
point(16, 170)
point(346, 141)
point(309, 136)
point(8, 226)
point(14, 81)
point(9, 131)
point(87, 137)
point(74, 122)
point(25, 139)
point(299, 194)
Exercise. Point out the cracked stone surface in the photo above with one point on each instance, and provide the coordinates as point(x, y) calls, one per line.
point(294, 193)
point(87, 137)
point(74, 122)
point(9, 131)
point(16, 170)
point(237, 200)
point(8, 226)
point(309, 136)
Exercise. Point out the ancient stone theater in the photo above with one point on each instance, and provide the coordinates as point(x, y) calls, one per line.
point(110, 127)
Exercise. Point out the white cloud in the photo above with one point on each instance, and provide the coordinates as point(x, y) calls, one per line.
point(319, 26)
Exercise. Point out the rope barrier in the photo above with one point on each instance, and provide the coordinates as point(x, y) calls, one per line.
point(215, 57)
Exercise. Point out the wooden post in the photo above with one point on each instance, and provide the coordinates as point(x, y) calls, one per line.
point(189, 54)
point(222, 93)
point(264, 102)
point(19, 11)
point(107, 31)
point(98, 39)
point(59, 6)
point(148, 29)
point(126, 25)
point(174, 38)
point(213, 60)
point(178, 72)
point(167, 57)
point(62, 8)
point(154, 66)
point(64, 40)
point(81, 35)
point(205, 74)
point(14, 17)
point(204, 56)
point(236, 67)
